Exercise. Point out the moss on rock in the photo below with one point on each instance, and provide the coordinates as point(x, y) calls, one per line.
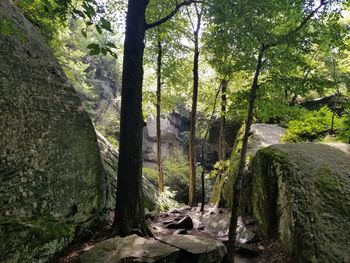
point(301, 193)
point(32, 240)
point(51, 174)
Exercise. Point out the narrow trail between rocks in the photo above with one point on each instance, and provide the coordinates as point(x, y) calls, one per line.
point(212, 223)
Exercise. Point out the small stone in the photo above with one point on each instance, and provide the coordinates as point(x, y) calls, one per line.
point(244, 235)
point(180, 232)
point(249, 250)
point(201, 227)
point(185, 223)
point(261, 247)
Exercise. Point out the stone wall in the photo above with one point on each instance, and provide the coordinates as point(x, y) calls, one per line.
point(51, 176)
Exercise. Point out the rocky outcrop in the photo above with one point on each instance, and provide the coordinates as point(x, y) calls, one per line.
point(231, 130)
point(102, 102)
point(175, 129)
point(170, 249)
point(262, 135)
point(173, 142)
point(51, 175)
point(301, 194)
point(340, 102)
point(153, 198)
point(131, 249)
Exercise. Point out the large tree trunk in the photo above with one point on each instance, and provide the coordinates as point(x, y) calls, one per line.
point(129, 206)
point(222, 139)
point(238, 183)
point(192, 142)
point(159, 141)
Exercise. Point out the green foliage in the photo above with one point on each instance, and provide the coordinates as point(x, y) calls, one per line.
point(176, 175)
point(271, 110)
point(219, 168)
point(315, 126)
point(7, 28)
point(166, 200)
point(49, 16)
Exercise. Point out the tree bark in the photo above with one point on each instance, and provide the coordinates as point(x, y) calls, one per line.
point(238, 183)
point(192, 142)
point(159, 140)
point(203, 145)
point(129, 206)
point(222, 139)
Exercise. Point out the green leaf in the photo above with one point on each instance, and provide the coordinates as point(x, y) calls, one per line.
point(94, 52)
point(110, 44)
point(93, 46)
point(104, 51)
point(99, 30)
point(79, 13)
point(83, 32)
point(113, 54)
point(105, 24)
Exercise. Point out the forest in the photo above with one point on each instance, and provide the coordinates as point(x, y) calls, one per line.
point(175, 131)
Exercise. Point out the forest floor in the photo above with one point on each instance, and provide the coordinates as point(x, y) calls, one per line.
point(212, 223)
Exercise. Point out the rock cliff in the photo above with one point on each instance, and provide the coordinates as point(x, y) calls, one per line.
point(51, 175)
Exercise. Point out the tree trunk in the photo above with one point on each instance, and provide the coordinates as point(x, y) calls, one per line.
point(222, 139)
point(192, 142)
point(159, 142)
point(334, 111)
point(238, 183)
point(129, 205)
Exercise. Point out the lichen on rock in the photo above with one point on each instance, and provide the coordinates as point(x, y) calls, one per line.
point(301, 194)
point(51, 175)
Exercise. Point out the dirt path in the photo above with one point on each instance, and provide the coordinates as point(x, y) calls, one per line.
point(213, 223)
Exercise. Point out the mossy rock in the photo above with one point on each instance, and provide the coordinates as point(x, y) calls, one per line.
point(51, 175)
point(33, 240)
point(301, 194)
point(261, 136)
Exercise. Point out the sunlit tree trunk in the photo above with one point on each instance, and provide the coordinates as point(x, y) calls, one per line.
point(192, 141)
point(159, 135)
point(222, 139)
point(238, 183)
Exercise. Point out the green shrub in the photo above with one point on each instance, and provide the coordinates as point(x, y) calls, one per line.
point(315, 126)
point(176, 175)
point(275, 111)
point(166, 200)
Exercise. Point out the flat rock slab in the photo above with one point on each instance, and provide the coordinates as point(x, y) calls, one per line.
point(131, 249)
point(170, 249)
point(197, 249)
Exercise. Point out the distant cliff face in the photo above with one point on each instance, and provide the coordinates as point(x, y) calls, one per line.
point(173, 142)
point(51, 176)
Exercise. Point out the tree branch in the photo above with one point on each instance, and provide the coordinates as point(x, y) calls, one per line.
point(169, 16)
point(293, 32)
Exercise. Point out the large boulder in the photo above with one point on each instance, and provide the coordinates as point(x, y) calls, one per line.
point(262, 135)
point(197, 249)
point(168, 249)
point(153, 198)
point(51, 176)
point(301, 193)
point(131, 249)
